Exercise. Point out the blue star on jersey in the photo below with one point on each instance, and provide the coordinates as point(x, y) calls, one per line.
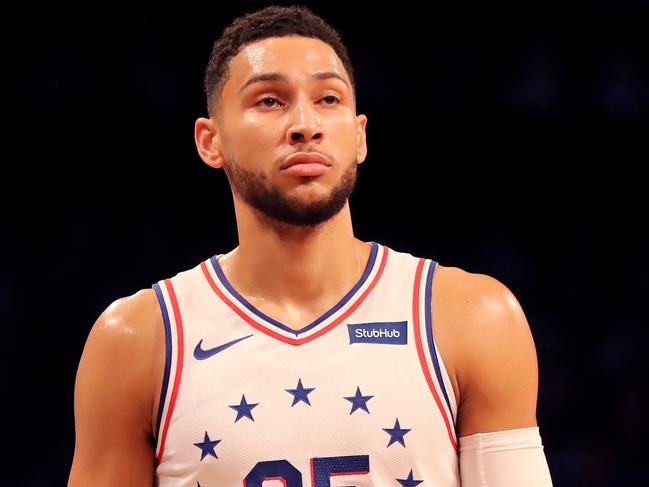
point(300, 393)
point(397, 433)
point(359, 401)
point(207, 446)
point(409, 482)
point(244, 409)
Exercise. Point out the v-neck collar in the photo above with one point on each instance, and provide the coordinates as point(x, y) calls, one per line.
point(264, 323)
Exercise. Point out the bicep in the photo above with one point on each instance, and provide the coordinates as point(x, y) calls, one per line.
point(499, 375)
point(113, 438)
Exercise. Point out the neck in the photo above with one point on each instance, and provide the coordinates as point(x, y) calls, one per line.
point(287, 265)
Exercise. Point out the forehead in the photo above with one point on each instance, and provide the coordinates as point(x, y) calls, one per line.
point(293, 56)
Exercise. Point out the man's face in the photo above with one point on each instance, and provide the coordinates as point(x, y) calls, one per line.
point(284, 97)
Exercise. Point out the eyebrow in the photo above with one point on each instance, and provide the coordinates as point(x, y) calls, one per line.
point(321, 75)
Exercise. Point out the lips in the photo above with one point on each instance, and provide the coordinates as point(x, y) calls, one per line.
point(305, 158)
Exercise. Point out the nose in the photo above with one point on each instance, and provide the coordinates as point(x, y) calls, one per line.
point(305, 125)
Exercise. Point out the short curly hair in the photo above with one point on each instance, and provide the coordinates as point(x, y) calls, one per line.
point(271, 21)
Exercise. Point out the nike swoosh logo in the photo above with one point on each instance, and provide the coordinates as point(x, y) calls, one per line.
point(200, 354)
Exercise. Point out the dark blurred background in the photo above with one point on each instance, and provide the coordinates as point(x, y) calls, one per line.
point(504, 140)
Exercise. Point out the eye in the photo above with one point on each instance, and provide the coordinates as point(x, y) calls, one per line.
point(268, 102)
point(331, 100)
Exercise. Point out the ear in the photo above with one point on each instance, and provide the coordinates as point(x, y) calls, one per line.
point(361, 138)
point(208, 142)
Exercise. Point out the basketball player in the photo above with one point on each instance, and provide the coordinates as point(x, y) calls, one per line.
point(304, 356)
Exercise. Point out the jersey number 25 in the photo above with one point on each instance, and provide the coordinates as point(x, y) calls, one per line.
point(322, 468)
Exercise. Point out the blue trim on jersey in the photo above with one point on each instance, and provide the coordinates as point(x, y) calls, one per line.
point(165, 379)
point(429, 332)
point(341, 303)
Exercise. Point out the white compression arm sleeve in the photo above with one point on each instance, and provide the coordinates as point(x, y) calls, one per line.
point(511, 458)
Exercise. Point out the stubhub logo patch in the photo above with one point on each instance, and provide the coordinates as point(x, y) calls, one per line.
point(390, 333)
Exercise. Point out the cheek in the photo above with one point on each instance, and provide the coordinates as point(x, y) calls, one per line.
point(251, 142)
point(343, 135)
point(253, 131)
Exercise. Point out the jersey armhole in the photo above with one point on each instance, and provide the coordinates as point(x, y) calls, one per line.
point(431, 362)
point(173, 361)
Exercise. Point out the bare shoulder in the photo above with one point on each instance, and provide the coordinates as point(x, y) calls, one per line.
point(483, 333)
point(115, 394)
point(128, 321)
point(477, 300)
point(128, 338)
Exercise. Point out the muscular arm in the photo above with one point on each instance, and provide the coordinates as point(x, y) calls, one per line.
point(486, 342)
point(115, 396)
point(492, 363)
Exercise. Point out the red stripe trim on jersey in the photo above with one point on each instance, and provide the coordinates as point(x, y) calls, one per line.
point(420, 352)
point(179, 365)
point(294, 341)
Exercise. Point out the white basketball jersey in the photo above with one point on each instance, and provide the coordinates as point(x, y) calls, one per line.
point(360, 397)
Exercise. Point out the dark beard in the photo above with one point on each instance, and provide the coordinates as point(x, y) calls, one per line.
point(285, 209)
